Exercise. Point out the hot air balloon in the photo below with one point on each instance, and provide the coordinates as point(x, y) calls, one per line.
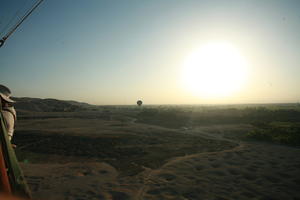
point(139, 102)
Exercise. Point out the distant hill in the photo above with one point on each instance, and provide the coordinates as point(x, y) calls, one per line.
point(49, 105)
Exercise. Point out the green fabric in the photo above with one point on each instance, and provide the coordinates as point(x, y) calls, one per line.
point(16, 176)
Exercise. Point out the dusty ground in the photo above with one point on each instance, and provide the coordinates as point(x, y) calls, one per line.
point(205, 162)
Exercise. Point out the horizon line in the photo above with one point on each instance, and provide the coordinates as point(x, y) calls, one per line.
point(170, 104)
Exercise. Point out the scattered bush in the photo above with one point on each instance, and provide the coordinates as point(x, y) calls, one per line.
point(277, 133)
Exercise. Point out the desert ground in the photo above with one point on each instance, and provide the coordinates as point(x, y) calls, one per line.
point(120, 153)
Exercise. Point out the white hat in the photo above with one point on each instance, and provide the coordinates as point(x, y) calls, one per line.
point(5, 94)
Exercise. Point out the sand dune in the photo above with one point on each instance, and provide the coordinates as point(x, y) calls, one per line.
point(250, 171)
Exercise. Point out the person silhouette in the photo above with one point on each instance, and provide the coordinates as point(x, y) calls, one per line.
point(7, 110)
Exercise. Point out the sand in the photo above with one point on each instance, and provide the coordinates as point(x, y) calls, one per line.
point(248, 170)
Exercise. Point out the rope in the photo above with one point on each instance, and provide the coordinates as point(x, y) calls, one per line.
point(19, 23)
point(13, 17)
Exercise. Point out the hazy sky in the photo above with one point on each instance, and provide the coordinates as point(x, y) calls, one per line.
point(115, 52)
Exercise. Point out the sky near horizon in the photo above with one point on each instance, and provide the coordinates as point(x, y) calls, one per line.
point(116, 52)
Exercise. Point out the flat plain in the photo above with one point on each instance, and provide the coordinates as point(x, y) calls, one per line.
point(161, 152)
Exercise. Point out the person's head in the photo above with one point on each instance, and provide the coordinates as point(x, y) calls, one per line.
point(5, 95)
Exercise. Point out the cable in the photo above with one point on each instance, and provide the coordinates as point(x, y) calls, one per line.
point(19, 23)
point(13, 17)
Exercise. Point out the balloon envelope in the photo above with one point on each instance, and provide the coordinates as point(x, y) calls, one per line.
point(139, 102)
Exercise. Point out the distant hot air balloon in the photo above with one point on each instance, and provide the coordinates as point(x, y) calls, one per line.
point(139, 102)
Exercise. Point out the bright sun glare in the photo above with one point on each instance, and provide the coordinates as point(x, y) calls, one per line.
point(214, 70)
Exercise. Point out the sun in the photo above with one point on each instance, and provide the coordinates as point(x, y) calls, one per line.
point(214, 70)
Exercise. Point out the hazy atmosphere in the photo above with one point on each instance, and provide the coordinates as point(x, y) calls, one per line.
point(150, 99)
point(115, 52)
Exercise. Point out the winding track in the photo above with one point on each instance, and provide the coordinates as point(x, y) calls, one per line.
point(149, 177)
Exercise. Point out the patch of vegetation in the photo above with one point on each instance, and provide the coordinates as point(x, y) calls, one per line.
point(278, 132)
point(246, 115)
point(170, 118)
point(176, 117)
point(129, 153)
